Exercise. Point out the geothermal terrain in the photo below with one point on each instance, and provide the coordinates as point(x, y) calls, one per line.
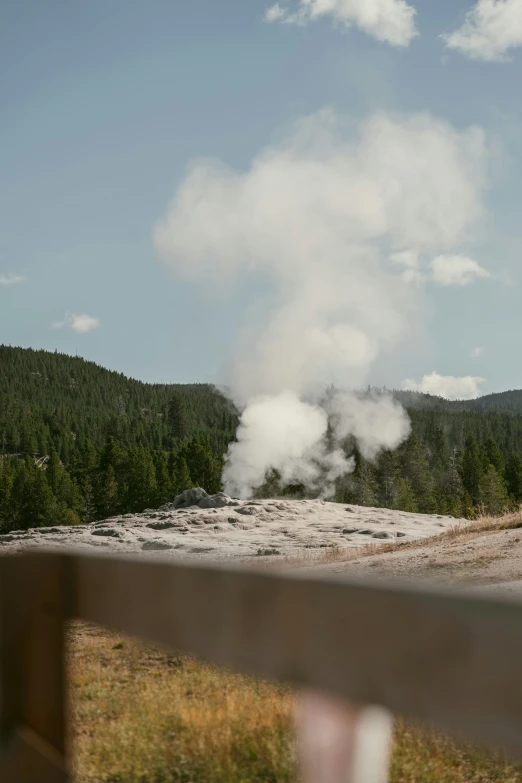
point(217, 527)
point(312, 536)
point(484, 556)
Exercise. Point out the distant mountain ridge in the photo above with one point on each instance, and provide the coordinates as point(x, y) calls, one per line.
point(509, 402)
point(53, 397)
point(29, 374)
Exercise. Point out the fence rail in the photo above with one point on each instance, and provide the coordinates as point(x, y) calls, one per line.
point(449, 660)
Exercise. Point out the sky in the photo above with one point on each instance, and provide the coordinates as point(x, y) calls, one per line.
point(112, 109)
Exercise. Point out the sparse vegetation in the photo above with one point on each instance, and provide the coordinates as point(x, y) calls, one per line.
point(143, 716)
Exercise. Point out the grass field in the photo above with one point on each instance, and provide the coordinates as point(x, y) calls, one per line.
point(142, 716)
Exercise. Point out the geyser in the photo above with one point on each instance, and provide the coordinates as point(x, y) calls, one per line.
point(323, 214)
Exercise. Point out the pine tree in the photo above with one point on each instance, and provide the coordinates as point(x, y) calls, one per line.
point(34, 501)
point(215, 484)
point(405, 496)
point(365, 484)
point(387, 474)
point(493, 456)
point(439, 450)
point(142, 487)
point(106, 496)
point(28, 443)
point(514, 476)
point(200, 463)
point(493, 497)
point(177, 418)
point(85, 463)
point(467, 509)
point(164, 483)
point(471, 468)
point(54, 472)
point(181, 479)
point(71, 496)
point(69, 517)
point(113, 455)
point(89, 514)
point(7, 478)
point(452, 488)
point(416, 470)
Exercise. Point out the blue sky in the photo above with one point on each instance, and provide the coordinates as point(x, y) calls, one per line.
point(106, 104)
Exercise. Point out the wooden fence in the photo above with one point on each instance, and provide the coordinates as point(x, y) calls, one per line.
point(452, 661)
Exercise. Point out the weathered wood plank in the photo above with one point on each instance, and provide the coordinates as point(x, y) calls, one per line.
point(29, 759)
point(340, 742)
point(34, 591)
point(446, 659)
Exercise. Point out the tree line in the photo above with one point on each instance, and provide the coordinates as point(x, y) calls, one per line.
point(427, 477)
point(100, 483)
point(435, 478)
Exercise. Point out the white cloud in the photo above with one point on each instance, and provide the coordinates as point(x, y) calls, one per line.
point(490, 30)
point(12, 279)
point(410, 262)
point(274, 13)
point(448, 386)
point(318, 214)
point(446, 269)
point(477, 352)
point(83, 324)
point(456, 270)
point(392, 21)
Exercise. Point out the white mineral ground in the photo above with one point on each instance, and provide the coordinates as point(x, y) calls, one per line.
point(300, 535)
point(238, 530)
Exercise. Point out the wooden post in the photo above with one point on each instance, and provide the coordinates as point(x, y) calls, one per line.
point(33, 610)
point(342, 743)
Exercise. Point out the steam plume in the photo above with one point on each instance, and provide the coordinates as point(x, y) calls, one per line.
point(322, 213)
point(283, 432)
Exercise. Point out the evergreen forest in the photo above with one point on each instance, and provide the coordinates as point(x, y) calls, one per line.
point(80, 443)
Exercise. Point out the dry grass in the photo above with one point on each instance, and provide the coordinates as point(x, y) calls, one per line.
point(140, 715)
point(427, 757)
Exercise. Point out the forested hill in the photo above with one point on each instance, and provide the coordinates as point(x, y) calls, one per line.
point(502, 402)
point(54, 400)
point(496, 416)
point(509, 402)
